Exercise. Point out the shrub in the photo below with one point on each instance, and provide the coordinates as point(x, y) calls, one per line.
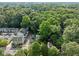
point(44, 49)
point(25, 51)
point(20, 53)
point(1, 52)
point(53, 51)
point(3, 42)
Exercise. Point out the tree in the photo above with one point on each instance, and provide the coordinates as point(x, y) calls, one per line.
point(55, 29)
point(44, 49)
point(13, 18)
point(54, 20)
point(57, 41)
point(2, 21)
point(36, 19)
point(25, 21)
point(53, 51)
point(54, 38)
point(35, 22)
point(71, 33)
point(70, 22)
point(34, 49)
point(44, 29)
point(70, 49)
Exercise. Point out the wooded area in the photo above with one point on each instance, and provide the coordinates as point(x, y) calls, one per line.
point(55, 23)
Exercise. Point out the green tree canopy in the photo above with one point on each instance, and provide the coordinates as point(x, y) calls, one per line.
point(34, 49)
point(25, 21)
point(44, 29)
point(70, 49)
point(71, 33)
point(70, 22)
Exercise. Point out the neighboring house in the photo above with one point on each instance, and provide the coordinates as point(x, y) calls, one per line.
point(6, 33)
point(9, 30)
point(24, 30)
point(19, 38)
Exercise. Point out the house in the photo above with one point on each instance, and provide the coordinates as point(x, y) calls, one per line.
point(18, 39)
point(9, 30)
point(6, 33)
point(17, 36)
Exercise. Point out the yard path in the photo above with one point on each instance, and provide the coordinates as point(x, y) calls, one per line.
point(9, 49)
point(27, 43)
